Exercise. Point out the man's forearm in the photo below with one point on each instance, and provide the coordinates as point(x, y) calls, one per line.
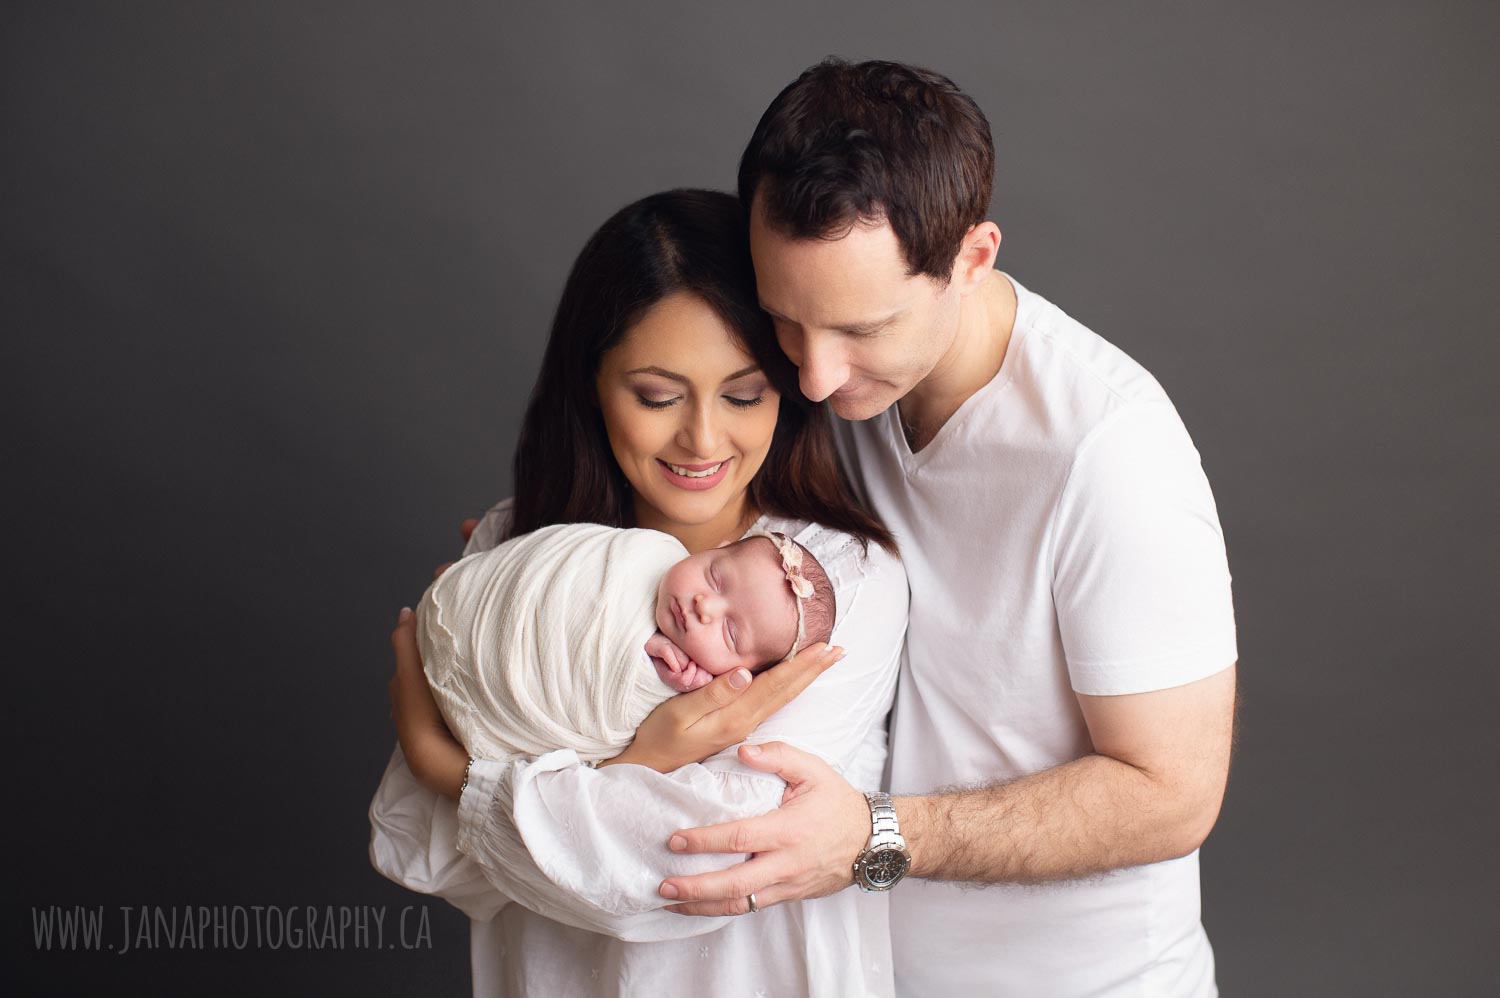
point(1084, 817)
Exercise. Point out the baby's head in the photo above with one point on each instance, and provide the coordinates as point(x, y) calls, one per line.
point(734, 606)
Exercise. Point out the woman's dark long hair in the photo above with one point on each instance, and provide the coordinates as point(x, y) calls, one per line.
point(683, 240)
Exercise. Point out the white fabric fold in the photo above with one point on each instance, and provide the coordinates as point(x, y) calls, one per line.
point(539, 643)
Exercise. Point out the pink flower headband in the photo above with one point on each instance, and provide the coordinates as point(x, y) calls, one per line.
point(791, 565)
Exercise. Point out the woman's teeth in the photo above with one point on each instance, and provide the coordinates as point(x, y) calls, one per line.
point(679, 470)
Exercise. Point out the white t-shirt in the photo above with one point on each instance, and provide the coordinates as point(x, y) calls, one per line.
point(1060, 537)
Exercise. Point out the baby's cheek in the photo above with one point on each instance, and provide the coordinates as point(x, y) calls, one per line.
point(712, 661)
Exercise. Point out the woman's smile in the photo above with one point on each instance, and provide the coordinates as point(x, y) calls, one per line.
point(695, 477)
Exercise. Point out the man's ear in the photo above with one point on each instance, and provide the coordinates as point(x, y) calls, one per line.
point(976, 257)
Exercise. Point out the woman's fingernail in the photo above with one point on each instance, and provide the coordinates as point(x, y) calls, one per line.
point(668, 891)
point(405, 612)
point(739, 679)
point(676, 843)
point(751, 750)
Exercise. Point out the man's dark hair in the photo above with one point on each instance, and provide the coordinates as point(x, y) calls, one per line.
point(873, 141)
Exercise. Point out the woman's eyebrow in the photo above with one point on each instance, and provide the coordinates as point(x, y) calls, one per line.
point(662, 372)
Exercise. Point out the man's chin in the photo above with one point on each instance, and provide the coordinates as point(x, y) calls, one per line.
point(860, 406)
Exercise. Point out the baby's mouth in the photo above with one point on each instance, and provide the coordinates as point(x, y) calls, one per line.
point(679, 616)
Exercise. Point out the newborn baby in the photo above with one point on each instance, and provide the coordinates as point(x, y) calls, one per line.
point(567, 637)
point(749, 604)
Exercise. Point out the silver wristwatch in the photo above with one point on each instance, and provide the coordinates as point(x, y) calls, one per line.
point(885, 859)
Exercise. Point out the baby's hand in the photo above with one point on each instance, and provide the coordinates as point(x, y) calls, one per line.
point(674, 667)
point(661, 647)
point(685, 680)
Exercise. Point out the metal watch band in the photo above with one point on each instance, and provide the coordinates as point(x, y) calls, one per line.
point(884, 860)
point(885, 829)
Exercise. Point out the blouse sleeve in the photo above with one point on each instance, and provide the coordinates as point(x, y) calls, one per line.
point(587, 847)
point(413, 831)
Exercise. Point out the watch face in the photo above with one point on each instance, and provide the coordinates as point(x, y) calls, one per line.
point(884, 867)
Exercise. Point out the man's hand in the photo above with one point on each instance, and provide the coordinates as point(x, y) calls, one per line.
point(806, 849)
point(436, 758)
point(690, 727)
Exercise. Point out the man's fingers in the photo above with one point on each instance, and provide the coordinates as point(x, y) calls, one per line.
point(791, 764)
point(741, 906)
point(732, 906)
point(746, 836)
point(467, 528)
point(735, 883)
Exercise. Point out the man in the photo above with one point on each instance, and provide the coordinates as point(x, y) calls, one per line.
point(1063, 725)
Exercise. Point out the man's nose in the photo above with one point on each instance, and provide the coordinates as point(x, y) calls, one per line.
point(701, 433)
point(824, 367)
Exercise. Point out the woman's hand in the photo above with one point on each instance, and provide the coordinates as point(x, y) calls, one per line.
point(436, 758)
point(692, 726)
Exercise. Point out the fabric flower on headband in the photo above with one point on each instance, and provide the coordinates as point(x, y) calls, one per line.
point(791, 566)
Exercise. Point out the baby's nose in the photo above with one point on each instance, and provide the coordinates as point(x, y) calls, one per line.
point(707, 606)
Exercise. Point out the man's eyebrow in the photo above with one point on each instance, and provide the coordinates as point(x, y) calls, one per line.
point(852, 327)
point(662, 372)
point(872, 324)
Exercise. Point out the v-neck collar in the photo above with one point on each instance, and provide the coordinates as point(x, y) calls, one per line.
point(912, 461)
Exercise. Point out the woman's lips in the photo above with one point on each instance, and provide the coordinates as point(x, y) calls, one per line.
point(698, 481)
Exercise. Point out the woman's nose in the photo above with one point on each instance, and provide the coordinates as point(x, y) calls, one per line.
point(701, 433)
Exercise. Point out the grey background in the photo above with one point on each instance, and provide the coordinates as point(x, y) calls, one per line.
point(276, 281)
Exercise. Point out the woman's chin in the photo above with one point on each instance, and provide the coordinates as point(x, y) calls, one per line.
point(694, 509)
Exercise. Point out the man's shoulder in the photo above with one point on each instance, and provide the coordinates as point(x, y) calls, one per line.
point(1068, 379)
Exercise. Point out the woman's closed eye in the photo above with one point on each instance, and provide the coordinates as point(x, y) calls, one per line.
point(739, 402)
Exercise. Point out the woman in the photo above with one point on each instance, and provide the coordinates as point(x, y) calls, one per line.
point(663, 402)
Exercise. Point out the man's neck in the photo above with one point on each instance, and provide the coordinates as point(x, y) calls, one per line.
point(985, 321)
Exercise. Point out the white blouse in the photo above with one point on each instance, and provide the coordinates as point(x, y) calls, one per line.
point(558, 864)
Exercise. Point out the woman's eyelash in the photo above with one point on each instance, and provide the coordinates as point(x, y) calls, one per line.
point(738, 403)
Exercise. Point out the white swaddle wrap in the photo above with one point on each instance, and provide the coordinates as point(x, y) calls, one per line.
point(538, 644)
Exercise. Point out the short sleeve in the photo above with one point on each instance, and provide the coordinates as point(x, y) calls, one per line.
point(1140, 577)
